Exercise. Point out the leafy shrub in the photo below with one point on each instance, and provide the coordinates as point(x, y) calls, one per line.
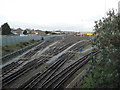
point(105, 68)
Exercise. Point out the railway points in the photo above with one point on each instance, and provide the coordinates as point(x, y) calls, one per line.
point(45, 61)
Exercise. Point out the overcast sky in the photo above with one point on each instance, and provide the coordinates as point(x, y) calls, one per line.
point(72, 15)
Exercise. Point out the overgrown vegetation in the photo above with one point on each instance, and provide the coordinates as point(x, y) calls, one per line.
point(11, 48)
point(25, 32)
point(105, 67)
point(6, 29)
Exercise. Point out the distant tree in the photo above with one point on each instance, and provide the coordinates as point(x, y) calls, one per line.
point(6, 29)
point(25, 32)
point(47, 32)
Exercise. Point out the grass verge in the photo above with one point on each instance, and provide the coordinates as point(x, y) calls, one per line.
point(13, 47)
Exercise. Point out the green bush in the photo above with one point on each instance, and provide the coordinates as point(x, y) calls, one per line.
point(6, 30)
point(105, 67)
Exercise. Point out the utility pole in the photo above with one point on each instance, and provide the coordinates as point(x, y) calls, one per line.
point(119, 7)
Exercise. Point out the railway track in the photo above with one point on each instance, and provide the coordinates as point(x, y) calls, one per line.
point(29, 66)
point(38, 48)
point(48, 79)
point(40, 78)
point(23, 70)
point(7, 70)
point(59, 79)
point(10, 68)
point(78, 46)
point(60, 47)
point(43, 77)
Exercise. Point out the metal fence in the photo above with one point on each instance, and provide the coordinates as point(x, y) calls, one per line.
point(7, 40)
